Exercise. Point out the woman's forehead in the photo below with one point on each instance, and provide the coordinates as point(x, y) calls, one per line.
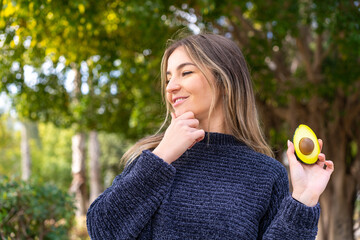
point(178, 57)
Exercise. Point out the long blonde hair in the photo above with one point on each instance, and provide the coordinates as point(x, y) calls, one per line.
point(221, 57)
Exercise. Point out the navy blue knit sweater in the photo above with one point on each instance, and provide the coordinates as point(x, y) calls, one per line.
point(219, 189)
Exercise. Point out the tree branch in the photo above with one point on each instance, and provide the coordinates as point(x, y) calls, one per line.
point(282, 71)
point(352, 110)
point(239, 34)
point(318, 55)
point(302, 44)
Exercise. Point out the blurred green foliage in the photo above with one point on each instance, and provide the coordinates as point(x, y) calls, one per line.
point(30, 210)
point(112, 147)
point(51, 154)
point(50, 150)
point(112, 45)
point(10, 146)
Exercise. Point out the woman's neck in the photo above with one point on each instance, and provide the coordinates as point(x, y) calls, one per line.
point(214, 123)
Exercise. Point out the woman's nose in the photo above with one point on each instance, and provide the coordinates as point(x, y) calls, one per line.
point(172, 86)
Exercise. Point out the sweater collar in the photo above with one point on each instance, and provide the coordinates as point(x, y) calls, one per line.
point(220, 139)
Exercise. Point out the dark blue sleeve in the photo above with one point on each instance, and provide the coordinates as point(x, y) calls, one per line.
point(287, 218)
point(123, 210)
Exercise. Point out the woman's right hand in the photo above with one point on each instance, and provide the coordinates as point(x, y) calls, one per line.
point(181, 135)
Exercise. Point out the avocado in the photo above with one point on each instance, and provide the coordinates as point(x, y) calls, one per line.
point(306, 144)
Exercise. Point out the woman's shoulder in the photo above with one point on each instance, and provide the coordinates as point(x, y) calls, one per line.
point(231, 149)
point(258, 162)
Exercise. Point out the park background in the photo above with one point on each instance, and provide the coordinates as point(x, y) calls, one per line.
point(80, 84)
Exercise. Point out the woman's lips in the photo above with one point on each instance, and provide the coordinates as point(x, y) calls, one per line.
point(178, 101)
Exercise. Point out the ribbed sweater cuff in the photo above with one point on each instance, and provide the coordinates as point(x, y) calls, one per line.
point(303, 217)
point(153, 168)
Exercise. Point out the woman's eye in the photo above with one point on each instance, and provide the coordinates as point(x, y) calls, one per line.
point(186, 73)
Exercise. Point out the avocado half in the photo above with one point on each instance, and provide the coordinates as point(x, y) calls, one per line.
point(306, 144)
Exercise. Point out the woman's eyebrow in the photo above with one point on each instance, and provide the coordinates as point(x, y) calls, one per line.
point(181, 66)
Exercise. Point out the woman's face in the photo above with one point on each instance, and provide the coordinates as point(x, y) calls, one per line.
point(188, 90)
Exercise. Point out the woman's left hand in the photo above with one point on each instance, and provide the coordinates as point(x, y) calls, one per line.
point(309, 181)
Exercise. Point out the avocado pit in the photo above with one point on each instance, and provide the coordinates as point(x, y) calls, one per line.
point(306, 146)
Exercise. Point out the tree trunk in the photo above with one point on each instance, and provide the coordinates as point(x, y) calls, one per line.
point(94, 149)
point(94, 153)
point(78, 185)
point(78, 168)
point(338, 201)
point(25, 153)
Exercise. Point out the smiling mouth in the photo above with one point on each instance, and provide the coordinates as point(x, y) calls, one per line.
point(179, 101)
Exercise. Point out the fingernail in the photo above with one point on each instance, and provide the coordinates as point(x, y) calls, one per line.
point(288, 143)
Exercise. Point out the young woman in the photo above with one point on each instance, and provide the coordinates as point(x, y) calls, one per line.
point(211, 175)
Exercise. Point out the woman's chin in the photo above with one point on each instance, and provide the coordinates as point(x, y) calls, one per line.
point(179, 112)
